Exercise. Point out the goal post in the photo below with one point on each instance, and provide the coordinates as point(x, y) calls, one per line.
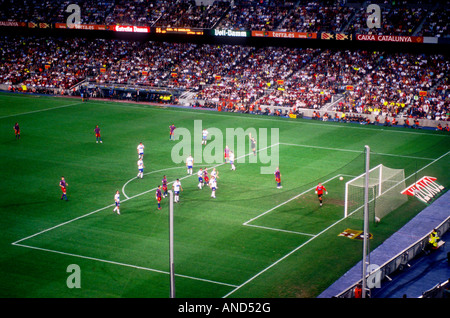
point(384, 192)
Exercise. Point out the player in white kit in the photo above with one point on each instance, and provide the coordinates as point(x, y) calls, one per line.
point(231, 160)
point(176, 186)
point(200, 178)
point(117, 202)
point(140, 164)
point(215, 175)
point(140, 150)
point(213, 186)
point(204, 136)
point(189, 164)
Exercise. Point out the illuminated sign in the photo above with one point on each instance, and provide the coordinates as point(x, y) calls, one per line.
point(284, 35)
point(130, 28)
point(389, 38)
point(230, 33)
point(188, 31)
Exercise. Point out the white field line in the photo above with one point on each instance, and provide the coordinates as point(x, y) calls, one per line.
point(314, 237)
point(282, 258)
point(39, 110)
point(147, 173)
point(270, 118)
point(356, 151)
point(281, 204)
point(123, 264)
point(16, 243)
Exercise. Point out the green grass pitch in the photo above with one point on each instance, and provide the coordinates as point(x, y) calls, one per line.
point(252, 241)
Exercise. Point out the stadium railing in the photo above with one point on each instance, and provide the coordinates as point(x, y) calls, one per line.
point(398, 262)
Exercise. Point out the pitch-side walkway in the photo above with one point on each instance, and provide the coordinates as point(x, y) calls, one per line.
point(414, 230)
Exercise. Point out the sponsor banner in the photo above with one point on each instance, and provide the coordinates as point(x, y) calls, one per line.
point(187, 31)
point(231, 33)
point(81, 26)
point(285, 35)
point(41, 25)
point(425, 189)
point(335, 36)
point(354, 234)
point(13, 24)
point(389, 38)
point(129, 28)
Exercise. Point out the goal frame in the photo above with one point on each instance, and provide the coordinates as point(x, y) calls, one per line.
point(380, 167)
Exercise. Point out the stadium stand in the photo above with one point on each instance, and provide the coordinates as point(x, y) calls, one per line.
point(364, 86)
point(405, 17)
point(237, 78)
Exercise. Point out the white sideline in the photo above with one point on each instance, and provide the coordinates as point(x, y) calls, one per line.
point(123, 264)
point(39, 110)
point(267, 118)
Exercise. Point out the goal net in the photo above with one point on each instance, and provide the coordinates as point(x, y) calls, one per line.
point(385, 186)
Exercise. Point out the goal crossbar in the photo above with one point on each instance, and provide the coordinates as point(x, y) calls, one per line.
point(385, 184)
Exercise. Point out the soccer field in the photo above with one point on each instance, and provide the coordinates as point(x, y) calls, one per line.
point(252, 241)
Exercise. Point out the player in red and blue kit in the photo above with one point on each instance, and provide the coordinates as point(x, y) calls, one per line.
point(17, 130)
point(63, 184)
point(205, 176)
point(158, 196)
point(319, 191)
point(97, 134)
point(226, 153)
point(278, 178)
point(172, 131)
point(164, 186)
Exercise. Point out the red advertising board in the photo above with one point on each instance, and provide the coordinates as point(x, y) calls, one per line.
point(80, 26)
point(285, 35)
point(13, 24)
point(130, 28)
point(389, 38)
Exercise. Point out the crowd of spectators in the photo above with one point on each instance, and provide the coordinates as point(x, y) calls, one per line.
point(397, 17)
point(237, 78)
point(316, 17)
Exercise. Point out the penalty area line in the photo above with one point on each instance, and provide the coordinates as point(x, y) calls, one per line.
point(246, 223)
